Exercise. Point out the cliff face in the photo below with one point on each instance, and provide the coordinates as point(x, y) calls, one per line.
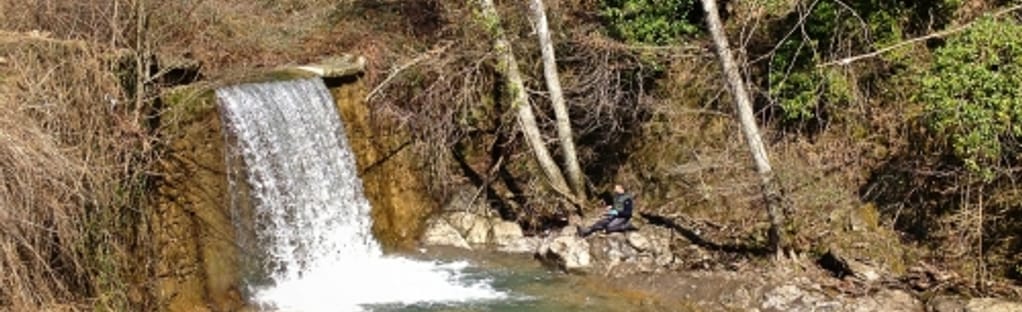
point(200, 265)
point(390, 172)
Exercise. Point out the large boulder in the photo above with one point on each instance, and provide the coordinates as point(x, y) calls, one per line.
point(440, 233)
point(479, 232)
point(568, 252)
point(521, 245)
point(612, 249)
point(506, 233)
point(992, 305)
point(462, 221)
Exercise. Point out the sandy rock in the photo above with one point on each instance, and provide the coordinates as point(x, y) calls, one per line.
point(506, 233)
point(462, 221)
point(568, 252)
point(992, 305)
point(521, 245)
point(440, 233)
point(479, 233)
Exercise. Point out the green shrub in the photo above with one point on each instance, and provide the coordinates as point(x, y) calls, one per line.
point(648, 21)
point(973, 93)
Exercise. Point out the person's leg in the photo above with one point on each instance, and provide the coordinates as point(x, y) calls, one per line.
point(618, 225)
point(599, 225)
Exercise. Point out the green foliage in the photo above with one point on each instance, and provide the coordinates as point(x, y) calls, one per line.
point(832, 31)
point(972, 93)
point(648, 21)
point(798, 86)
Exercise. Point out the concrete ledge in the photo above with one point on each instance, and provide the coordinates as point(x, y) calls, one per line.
point(337, 67)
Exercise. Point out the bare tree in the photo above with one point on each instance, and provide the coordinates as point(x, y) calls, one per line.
point(508, 67)
point(553, 82)
point(770, 188)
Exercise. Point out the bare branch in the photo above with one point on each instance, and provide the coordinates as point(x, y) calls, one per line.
point(939, 34)
point(395, 72)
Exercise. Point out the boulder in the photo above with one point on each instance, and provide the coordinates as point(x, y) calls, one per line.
point(506, 233)
point(568, 252)
point(440, 233)
point(992, 305)
point(479, 233)
point(521, 245)
point(462, 221)
point(841, 264)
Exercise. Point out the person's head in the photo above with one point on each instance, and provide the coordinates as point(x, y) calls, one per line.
point(618, 189)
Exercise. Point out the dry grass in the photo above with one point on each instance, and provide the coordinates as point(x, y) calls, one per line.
point(70, 156)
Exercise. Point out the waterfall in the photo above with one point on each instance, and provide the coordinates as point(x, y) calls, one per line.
point(309, 220)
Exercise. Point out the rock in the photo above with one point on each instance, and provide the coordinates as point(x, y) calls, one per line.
point(506, 233)
point(781, 298)
point(837, 262)
point(568, 252)
point(790, 298)
point(440, 233)
point(638, 241)
point(945, 304)
point(611, 249)
point(894, 300)
point(736, 299)
point(992, 305)
point(522, 245)
point(462, 221)
point(479, 233)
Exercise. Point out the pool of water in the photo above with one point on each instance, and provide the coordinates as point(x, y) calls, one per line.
point(531, 286)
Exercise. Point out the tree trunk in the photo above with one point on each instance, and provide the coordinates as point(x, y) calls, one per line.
point(508, 66)
point(771, 191)
point(575, 177)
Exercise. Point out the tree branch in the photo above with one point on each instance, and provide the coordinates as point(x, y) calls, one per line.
point(405, 66)
point(939, 34)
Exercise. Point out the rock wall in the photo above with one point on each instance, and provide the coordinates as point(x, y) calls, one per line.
point(390, 172)
point(200, 267)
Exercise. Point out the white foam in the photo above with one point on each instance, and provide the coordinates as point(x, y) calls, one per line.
point(350, 285)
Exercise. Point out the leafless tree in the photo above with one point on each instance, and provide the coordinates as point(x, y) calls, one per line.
point(564, 134)
point(508, 67)
point(768, 183)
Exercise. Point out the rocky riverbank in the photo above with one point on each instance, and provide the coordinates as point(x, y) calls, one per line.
point(657, 262)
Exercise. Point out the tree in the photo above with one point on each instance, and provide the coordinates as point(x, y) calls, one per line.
point(770, 188)
point(508, 67)
point(575, 178)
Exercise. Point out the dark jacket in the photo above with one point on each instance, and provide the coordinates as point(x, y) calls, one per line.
point(623, 205)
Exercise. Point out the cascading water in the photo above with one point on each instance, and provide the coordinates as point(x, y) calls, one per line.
point(309, 218)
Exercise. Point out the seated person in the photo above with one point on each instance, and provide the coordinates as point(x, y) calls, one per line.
point(617, 216)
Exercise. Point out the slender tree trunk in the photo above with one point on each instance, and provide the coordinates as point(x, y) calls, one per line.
point(553, 82)
point(771, 191)
point(508, 66)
